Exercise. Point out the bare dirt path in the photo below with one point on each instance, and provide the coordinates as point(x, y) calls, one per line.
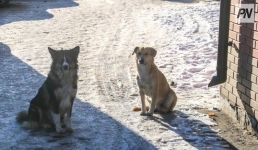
point(107, 32)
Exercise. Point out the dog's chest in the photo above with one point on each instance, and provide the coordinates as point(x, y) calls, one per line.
point(143, 80)
point(65, 93)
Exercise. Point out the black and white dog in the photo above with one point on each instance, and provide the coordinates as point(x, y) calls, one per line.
point(54, 100)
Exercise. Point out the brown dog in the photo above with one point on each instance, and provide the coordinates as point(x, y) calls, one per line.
point(152, 83)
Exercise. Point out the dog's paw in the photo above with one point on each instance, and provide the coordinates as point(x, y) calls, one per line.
point(143, 113)
point(61, 130)
point(149, 113)
point(70, 130)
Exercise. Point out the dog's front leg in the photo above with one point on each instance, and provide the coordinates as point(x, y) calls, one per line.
point(68, 123)
point(56, 119)
point(153, 100)
point(143, 103)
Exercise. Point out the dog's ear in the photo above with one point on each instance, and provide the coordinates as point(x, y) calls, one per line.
point(76, 51)
point(52, 52)
point(153, 52)
point(136, 49)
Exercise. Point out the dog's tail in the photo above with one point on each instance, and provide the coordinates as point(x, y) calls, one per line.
point(22, 117)
point(138, 108)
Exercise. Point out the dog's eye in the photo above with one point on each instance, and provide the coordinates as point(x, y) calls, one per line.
point(146, 54)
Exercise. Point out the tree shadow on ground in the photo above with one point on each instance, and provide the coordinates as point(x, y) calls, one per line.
point(93, 129)
point(195, 132)
point(22, 10)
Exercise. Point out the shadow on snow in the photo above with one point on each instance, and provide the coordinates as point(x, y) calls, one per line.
point(19, 10)
point(93, 129)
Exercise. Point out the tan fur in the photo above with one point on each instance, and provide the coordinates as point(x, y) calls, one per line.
point(152, 83)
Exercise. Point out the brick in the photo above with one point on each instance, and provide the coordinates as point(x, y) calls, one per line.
point(249, 42)
point(251, 77)
point(241, 72)
point(234, 52)
point(236, 92)
point(237, 77)
point(232, 18)
point(255, 17)
point(230, 73)
point(255, 71)
point(255, 53)
point(243, 56)
point(256, 44)
point(251, 26)
point(254, 104)
point(249, 110)
point(256, 114)
point(246, 32)
point(247, 66)
point(254, 87)
point(240, 87)
point(234, 2)
point(252, 95)
point(233, 67)
point(233, 82)
point(231, 26)
point(248, 92)
point(255, 26)
point(244, 48)
point(252, 60)
point(232, 9)
point(223, 91)
point(233, 35)
point(256, 97)
point(246, 83)
point(236, 28)
point(236, 45)
point(229, 87)
point(231, 58)
point(238, 62)
point(241, 39)
point(245, 99)
point(240, 103)
point(255, 34)
point(232, 97)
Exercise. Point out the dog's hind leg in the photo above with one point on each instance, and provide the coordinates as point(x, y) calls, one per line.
point(169, 103)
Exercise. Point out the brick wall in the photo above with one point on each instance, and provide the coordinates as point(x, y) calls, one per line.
point(240, 91)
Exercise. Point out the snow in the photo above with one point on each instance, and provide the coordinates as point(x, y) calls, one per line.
point(184, 34)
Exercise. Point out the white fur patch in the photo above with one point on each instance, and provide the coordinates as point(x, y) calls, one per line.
point(30, 125)
point(56, 119)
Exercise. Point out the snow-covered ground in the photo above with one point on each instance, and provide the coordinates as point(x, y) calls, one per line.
point(185, 35)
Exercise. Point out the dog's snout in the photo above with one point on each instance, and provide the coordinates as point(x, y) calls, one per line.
point(65, 66)
point(141, 61)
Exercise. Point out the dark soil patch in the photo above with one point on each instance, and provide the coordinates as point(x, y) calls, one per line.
point(231, 131)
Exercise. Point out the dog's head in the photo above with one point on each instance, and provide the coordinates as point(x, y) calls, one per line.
point(64, 60)
point(144, 55)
